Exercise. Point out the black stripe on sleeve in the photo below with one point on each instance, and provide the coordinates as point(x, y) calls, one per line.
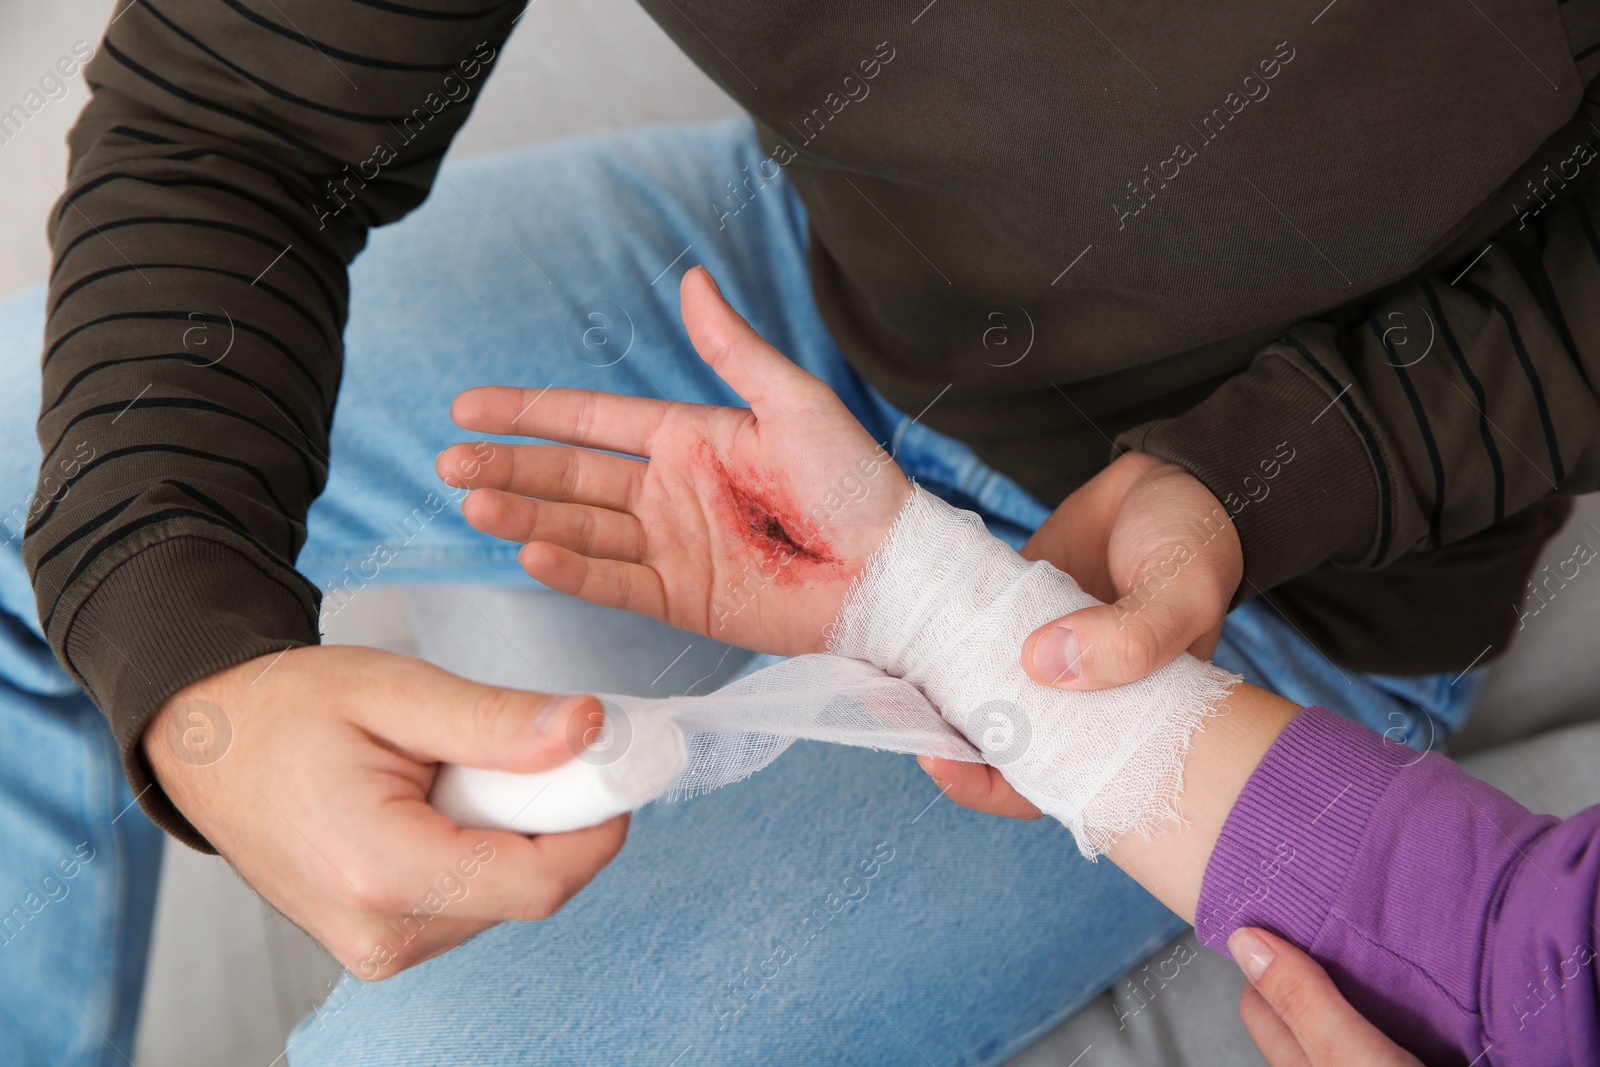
point(141, 135)
point(89, 526)
point(1436, 512)
point(116, 536)
point(271, 88)
point(196, 495)
point(375, 62)
point(179, 450)
point(300, 227)
point(190, 403)
point(1485, 431)
point(191, 316)
point(266, 287)
point(292, 255)
point(1557, 470)
point(1547, 289)
point(201, 102)
point(424, 13)
point(216, 366)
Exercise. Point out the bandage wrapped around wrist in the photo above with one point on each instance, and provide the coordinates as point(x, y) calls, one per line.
point(946, 606)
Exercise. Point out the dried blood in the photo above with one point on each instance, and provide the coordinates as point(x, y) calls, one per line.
point(757, 509)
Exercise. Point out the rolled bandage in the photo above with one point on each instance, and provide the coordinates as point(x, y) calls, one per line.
point(635, 760)
point(946, 606)
point(687, 745)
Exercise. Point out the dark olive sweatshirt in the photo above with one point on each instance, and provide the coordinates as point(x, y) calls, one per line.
point(1338, 259)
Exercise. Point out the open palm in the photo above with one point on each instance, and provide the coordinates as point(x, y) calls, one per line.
point(743, 524)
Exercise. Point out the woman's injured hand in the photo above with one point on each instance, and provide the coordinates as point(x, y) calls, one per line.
point(744, 524)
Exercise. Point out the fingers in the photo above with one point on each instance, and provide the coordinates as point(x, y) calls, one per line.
point(759, 373)
point(1113, 644)
point(575, 416)
point(1205, 646)
point(435, 716)
point(512, 877)
point(594, 532)
point(978, 786)
point(1148, 533)
point(1102, 646)
point(548, 472)
point(1270, 1033)
point(400, 907)
point(373, 950)
point(1299, 992)
point(607, 582)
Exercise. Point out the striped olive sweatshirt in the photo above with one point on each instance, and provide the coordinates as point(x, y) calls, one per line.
point(1337, 260)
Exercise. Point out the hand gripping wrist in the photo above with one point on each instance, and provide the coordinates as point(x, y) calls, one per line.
point(946, 606)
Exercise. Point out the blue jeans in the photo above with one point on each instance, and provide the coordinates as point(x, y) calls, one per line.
point(741, 926)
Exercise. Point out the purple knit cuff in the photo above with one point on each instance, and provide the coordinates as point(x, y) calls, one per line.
point(1291, 837)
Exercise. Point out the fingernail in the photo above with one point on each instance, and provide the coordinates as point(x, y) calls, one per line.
point(554, 711)
point(1056, 655)
point(1250, 953)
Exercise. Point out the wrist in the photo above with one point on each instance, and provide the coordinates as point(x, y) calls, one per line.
point(1221, 759)
point(194, 728)
point(944, 605)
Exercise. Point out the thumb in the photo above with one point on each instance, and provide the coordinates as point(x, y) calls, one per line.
point(435, 716)
point(1113, 644)
point(759, 373)
point(1302, 995)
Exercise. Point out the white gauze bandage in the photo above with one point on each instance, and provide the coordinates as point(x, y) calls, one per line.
point(946, 606)
point(687, 745)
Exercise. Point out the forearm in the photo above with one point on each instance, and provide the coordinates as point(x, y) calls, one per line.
point(1222, 756)
point(1420, 418)
point(1448, 915)
point(223, 175)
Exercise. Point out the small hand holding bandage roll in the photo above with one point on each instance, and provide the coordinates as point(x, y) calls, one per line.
point(946, 606)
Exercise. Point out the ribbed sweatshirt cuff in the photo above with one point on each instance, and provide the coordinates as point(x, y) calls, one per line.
point(1294, 832)
point(1293, 513)
point(170, 614)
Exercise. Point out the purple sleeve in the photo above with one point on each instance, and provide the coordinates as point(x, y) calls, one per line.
point(1456, 921)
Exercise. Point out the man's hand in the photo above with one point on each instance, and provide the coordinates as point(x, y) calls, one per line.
point(309, 771)
point(978, 786)
point(1296, 1014)
point(742, 524)
point(1150, 540)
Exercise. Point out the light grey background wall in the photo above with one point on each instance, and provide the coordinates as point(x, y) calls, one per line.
point(572, 66)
